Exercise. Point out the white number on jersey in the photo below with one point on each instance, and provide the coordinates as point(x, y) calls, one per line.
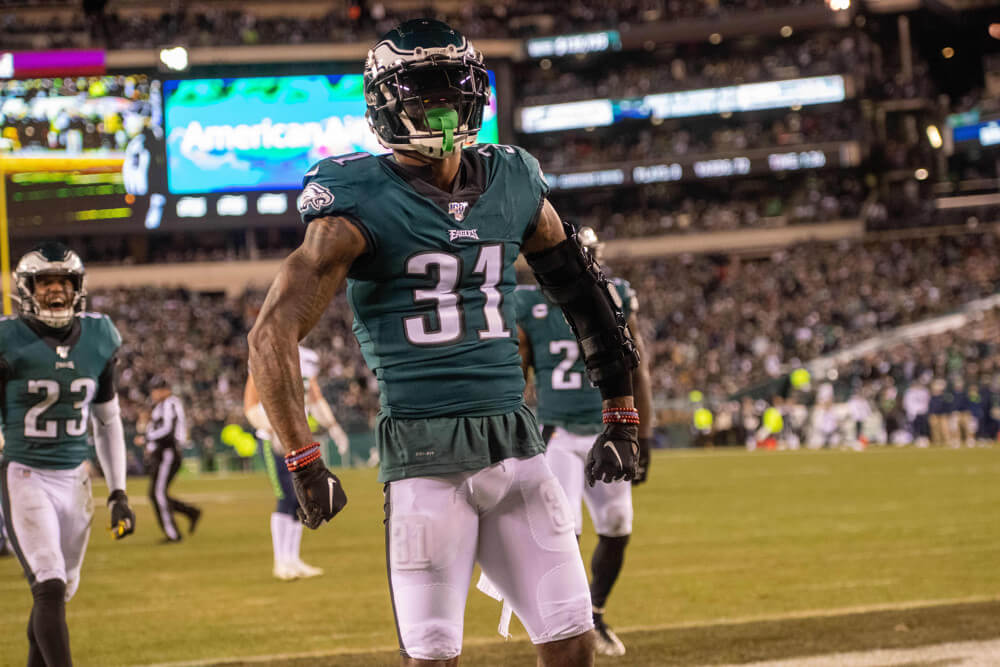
point(450, 319)
point(37, 427)
point(562, 377)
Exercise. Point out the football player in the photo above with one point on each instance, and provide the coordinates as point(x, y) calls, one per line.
point(426, 238)
point(569, 410)
point(286, 529)
point(57, 374)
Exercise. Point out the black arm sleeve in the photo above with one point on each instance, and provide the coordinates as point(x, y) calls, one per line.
point(106, 383)
point(571, 279)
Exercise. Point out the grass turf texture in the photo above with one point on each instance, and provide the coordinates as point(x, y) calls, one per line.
point(735, 556)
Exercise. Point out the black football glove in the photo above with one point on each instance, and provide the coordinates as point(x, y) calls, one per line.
point(642, 465)
point(319, 492)
point(122, 516)
point(614, 455)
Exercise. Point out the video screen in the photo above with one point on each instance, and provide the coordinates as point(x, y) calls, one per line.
point(252, 134)
point(82, 150)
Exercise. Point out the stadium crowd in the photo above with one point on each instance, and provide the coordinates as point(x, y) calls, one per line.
point(941, 389)
point(206, 23)
point(727, 323)
point(693, 136)
point(672, 208)
point(697, 66)
point(723, 325)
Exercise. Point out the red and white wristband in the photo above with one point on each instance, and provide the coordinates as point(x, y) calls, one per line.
point(299, 458)
point(620, 416)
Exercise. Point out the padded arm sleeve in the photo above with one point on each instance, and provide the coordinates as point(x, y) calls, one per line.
point(109, 441)
point(571, 279)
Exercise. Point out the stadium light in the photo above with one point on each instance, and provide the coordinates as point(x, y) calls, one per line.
point(921, 174)
point(947, 52)
point(934, 136)
point(174, 59)
point(839, 5)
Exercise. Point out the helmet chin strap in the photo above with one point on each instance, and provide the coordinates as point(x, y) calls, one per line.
point(444, 119)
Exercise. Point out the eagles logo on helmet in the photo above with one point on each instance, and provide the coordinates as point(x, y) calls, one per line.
point(425, 88)
point(50, 259)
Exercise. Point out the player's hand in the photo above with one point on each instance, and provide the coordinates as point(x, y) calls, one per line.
point(319, 492)
point(642, 465)
point(122, 516)
point(614, 455)
point(340, 439)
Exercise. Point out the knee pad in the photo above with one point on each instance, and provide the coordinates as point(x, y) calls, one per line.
point(432, 640)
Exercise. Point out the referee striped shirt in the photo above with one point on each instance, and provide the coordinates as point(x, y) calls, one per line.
point(167, 425)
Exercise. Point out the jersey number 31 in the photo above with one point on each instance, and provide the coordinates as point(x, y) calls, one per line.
point(450, 318)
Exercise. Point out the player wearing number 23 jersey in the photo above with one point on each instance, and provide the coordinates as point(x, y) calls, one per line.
point(57, 375)
point(426, 239)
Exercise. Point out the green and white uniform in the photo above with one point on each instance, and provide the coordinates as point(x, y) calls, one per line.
point(461, 454)
point(431, 302)
point(48, 387)
point(569, 408)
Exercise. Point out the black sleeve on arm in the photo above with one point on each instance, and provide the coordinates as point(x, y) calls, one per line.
point(571, 279)
point(106, 382)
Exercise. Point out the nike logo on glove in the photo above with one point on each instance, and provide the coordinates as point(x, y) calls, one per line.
point(615, 452)
point(330, 481)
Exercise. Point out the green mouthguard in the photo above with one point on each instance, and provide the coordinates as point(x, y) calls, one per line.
point(446, 120)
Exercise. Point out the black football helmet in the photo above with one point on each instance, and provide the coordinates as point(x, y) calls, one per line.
point(46, 259)
point(426, 89)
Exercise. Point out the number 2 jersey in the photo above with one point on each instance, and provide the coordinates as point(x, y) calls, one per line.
point(432, 297)
point(47, 387)
point(565, 395)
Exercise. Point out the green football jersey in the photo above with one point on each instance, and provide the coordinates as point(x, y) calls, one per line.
point(565, 396)
point(48, 388)
point(432, 297)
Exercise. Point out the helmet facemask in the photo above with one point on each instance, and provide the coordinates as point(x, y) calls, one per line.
point(426, 100)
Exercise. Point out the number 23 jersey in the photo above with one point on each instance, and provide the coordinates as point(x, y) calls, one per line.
point(432, 297)
point(48, 388)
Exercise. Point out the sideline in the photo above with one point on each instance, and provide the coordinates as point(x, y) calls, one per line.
point(960, 649)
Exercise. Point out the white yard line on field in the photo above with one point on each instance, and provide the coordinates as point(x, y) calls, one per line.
point(956, 654)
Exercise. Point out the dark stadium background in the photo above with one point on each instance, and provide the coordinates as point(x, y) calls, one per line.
point(812, 274)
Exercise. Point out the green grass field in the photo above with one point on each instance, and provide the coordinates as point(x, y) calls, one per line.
point(735, 556)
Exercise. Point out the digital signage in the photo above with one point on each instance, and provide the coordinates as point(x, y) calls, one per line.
point(81, 150)
point(759, 161)
point(264, 133)
point(707, 101)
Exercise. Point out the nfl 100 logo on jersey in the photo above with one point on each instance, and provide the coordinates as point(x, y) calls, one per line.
point(457, 209)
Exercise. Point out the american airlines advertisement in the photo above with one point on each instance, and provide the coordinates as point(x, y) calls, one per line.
point(252, 134)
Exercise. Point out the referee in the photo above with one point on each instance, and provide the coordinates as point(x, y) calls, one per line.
point(166, 432)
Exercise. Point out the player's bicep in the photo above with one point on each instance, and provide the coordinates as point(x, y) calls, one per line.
point(548, 232)
point(311, 275)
